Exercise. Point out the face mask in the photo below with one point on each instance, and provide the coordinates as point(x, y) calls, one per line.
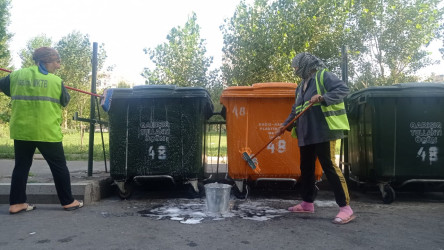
point(298, 72)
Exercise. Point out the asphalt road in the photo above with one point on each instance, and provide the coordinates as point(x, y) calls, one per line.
point(154, 219)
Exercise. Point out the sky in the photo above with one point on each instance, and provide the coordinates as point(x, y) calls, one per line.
point(127, 27)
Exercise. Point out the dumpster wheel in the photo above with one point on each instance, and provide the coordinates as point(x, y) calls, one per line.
point(192, 193)
point(241, 189)
point(124, 189)
point(387, 192)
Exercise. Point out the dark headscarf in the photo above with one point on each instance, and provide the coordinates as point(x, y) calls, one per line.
point(306, 63)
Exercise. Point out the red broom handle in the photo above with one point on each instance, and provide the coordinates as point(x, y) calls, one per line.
point(71, 88)
point(81, 91)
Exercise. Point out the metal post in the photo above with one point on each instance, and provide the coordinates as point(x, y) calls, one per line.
point(92, 110)
point(344, 64)
point(344, 142)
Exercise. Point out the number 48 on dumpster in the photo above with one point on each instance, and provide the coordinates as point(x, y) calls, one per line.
point(160, 152)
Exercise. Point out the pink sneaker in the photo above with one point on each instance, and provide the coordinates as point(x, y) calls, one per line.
point(344, 216)
point(304, 207)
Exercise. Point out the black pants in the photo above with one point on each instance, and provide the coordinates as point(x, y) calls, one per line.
point(325, 153)
point(54, 156)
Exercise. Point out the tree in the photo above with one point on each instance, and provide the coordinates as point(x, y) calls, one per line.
point(76, 53)
point(260, 40)
point(5, 36)
point(5, 56)
point(181, 60)
point(385, 39)
point(247, 48)
point(442, 37)
point(31, 46)
point(123, 84)
point(395, 33)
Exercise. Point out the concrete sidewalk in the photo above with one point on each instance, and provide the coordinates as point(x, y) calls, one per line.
point(41, 189)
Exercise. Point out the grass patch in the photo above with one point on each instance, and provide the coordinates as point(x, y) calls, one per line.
point(212, 141)
point(76, 150)
point(72, 144)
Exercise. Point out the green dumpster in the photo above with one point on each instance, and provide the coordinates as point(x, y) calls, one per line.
point(396, 136)
point(157, 132)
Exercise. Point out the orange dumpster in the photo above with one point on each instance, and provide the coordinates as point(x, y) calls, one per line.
point(253, 115)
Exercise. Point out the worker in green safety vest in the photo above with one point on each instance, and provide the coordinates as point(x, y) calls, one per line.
point(37, 98)
point(317, 131)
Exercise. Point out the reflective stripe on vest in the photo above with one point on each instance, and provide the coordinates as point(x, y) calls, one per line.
point(299, 109)
point(35, 98)
point(334, 114)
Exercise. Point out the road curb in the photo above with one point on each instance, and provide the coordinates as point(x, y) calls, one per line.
point(45, 193)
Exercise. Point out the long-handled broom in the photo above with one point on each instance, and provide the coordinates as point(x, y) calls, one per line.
point(249, 158)
point(105, 99)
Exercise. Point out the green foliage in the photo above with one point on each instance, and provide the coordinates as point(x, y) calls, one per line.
point(5, 36)
point(123, 84)
point(261, 40)
point(75, 51)
point(5, 106)
point(395, 33)
point(385, 39)
point(5, 56)
point(181, 60)
point(248, 48)
point(31, 46)
point(441, 50)
point(215, 89)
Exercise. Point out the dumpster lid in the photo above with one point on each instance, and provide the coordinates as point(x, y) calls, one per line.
point(166, 91)
point(171, 91)
point(260, 90)
point(121, 92)
point(411, 89)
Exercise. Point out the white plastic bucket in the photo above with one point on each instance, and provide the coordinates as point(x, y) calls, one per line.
point(217, 198)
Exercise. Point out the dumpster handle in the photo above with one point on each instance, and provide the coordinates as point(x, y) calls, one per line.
point(362, 99)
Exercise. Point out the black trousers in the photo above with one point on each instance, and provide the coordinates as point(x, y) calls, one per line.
point(55, 157)
point(325, 153)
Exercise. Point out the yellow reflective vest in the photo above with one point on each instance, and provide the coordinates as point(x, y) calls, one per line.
point(335, 114)
point(36, 109)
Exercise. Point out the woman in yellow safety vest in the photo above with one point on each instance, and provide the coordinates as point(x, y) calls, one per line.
point(37, 97)
point(317, 130)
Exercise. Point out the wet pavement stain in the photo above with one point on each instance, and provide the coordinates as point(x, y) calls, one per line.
point(67, 239)
point(195, 211)
point(43, 241)
point(192, 244)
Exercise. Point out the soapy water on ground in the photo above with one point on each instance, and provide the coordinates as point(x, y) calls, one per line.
point(194, 211)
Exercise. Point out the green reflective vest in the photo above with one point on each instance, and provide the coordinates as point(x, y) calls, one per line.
point(334, 114)
point(36, 110)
